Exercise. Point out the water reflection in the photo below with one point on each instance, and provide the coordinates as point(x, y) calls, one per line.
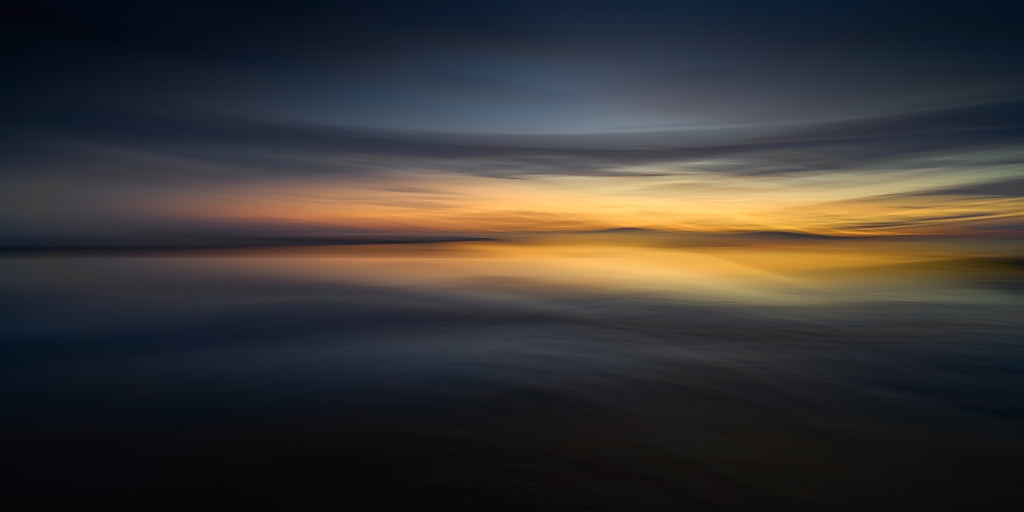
point(782, 274)
point(590, 374)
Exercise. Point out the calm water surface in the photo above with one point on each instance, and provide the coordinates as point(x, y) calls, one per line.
point(556, 375)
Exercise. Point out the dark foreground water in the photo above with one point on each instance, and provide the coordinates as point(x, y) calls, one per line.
point(485, 376)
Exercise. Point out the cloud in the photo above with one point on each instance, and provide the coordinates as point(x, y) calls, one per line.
point(273, 145)
point(1008, 188)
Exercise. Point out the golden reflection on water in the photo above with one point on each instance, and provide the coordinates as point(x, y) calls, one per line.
point(774, 273)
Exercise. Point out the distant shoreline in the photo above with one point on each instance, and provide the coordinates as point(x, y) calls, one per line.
point(113, 250)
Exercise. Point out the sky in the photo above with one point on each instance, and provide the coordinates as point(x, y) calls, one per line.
point(167, 120)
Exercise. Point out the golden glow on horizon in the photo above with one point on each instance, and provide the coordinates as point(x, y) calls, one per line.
point(426, 201)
